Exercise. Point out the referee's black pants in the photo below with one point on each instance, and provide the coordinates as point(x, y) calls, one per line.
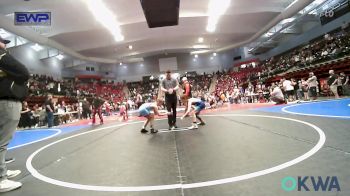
point(171, 103)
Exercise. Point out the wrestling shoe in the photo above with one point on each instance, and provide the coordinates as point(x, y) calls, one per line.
point(9, 185)
point(12, 173)
point(144, 131)
point(154, 130)
point(9, 160)
point(194, 126)
point(201, 123)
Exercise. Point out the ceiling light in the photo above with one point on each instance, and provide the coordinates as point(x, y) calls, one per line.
point(196, 56)
point(60, 57)
point(141, 65)
point(130, 47)
point(200, 52)
point(211, 58)
point(194, 59)
point(106, 17)
point(200, 46)
point(120, 63)
point(216, 8)
point(37, 47)
point(201, 40)
point(214, 54)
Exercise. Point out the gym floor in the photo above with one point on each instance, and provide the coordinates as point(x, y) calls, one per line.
point(243, 150)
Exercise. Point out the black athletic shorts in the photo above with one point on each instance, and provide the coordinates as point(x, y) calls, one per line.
point(290, 93)
point(313, 91)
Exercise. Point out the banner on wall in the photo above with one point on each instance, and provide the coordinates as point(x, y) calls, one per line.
point(335, 11)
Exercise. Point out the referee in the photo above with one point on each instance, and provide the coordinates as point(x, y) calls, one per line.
point(169, 86)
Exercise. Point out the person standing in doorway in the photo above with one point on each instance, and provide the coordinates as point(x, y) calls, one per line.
point(169, 86)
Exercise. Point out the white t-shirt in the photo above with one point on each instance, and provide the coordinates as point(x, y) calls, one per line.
point(277, 92)
point(287, 85)
point(312, 81)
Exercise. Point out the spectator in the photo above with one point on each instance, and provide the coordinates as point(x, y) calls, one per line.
point(212, 101)
point(97, 109)
point(235, 95)
point(13, 79)
point(27, 119)
point(305, 88)
point(50, 109)
point(312, 85)
point(277, 95)
point(139, 100)
point(299, 89)
point(86, 109)
point(333, 83)
point(343, 82)
point(42, 116)
point(288, 89)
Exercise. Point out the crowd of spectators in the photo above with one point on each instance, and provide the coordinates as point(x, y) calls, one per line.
point(40, 85)
point(237, 86)
point(248, 84)
point(72, 99)
point(231, 83)
point(200, 84)
point(108, 90)
point(330, 46)
point(147, 89)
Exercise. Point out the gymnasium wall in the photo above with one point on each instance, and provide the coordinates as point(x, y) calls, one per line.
point(150, 66)
point(31, 59)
